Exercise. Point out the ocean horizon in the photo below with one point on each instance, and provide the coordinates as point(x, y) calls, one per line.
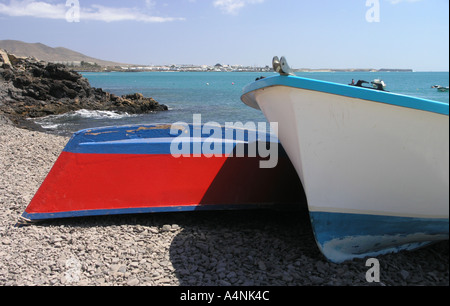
point(215, 95)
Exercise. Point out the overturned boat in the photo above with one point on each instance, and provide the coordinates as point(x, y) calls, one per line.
point(165, 168)
point(374, 165)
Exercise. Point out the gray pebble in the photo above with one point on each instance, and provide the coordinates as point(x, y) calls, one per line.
point(262, 266)
point(404, 274)
point(166, 228)
point(133, 282)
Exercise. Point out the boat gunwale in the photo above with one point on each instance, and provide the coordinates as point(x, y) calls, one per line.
point(349, 91)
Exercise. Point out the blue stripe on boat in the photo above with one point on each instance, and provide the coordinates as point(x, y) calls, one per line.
point(351, 91)
point(343, 236)
point(158, 139)
point(161, 209)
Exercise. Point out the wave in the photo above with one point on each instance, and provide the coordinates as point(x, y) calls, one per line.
point(91, 114)
point(75, 118)
point(50, 126)
point(97, 114)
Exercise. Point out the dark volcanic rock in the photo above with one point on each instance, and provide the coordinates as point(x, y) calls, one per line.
point(30, 88)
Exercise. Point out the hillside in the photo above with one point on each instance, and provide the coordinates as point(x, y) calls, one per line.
point(49, 54)
point(30, 88)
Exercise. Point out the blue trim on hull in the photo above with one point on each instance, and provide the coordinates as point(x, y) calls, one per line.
point(146, 210)
point(351, 92)
point(342, 236)
point(158, 139)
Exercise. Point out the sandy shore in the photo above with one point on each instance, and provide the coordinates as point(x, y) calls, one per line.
point(202, 248)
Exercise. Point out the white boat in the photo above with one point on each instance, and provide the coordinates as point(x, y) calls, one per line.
point(374, 164)
point(440, 88)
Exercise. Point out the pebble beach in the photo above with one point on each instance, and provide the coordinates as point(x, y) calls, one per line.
point(230, 248)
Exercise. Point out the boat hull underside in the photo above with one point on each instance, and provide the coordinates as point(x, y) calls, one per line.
point(343, 236)
point(105, 172)
point(364, 161)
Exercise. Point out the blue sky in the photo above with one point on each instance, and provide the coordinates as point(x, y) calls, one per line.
point(311, 34)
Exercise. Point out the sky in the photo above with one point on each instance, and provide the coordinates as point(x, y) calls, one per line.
point(406, 34)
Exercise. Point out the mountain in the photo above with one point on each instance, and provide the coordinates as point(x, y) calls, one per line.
point(49, 54)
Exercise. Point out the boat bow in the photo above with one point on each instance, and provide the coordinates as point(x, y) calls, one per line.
point(373, 164)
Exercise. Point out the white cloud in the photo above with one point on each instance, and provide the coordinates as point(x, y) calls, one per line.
point(233, 6)
point(41, 9)
point(109, 14)
point(33, 8)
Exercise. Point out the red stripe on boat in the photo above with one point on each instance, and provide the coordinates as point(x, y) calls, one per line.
point(80, 182)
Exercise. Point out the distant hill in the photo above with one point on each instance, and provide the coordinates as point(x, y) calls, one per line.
point(49, 54)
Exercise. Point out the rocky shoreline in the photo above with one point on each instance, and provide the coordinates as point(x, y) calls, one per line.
point(30, 88)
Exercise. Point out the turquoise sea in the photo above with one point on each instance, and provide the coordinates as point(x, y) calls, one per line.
point(216, 95)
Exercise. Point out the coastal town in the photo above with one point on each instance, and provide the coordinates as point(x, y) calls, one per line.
point(94, 67)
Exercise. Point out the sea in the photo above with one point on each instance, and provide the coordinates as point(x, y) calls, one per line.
point(215, 95)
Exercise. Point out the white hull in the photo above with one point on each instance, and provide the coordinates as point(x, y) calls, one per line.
point(359, 157)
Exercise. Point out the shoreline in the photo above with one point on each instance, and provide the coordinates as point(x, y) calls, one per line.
point(32, 89)
point(229, 248)
point(261, 70)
